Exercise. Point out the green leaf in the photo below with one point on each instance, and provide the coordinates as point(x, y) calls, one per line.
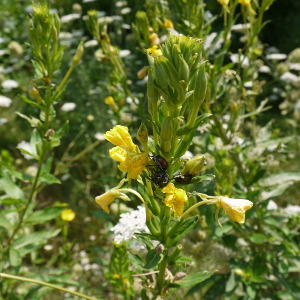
point(184, 228)
point(44, 215)
point(193, 279)
point(23, 98)
point(280, 178)
point(48, 178)
point(14, 257)
point(34, 122)
point(9, 187)
point(4, 222)
point(34, 238)
point(258, 238)
point(152, 259)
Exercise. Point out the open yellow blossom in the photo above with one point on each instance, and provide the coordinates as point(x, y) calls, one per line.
point(175, 198)
point(131, 159)
point(109, 100)
point(68, 215)
point(119, 136)
point(154, 50)
point(235, 208)
point(168, 24)
point(107, 198)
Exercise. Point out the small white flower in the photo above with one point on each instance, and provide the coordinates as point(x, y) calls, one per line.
point(68, 106)
point(9, 84)
point(236, 58)
point(292, 210)
point(48, 247)
point(125, 10)
point(207, 15)
point(121, 3)
point(289, 77)
point(5, 101)
point(27, 147)
point(3, 121)
point(92, 237)
point(3, 52)
point(210, 44)
point(69, 18)
point(272, 205)
point(248, 84)
point(124, 53)
point(126, 26)
point(129, 224)
point(99, 136)
point(64, 35)
point(240, 27)
point(91, 43)
point(295, 66)
point(276, 56)
point(264, 69)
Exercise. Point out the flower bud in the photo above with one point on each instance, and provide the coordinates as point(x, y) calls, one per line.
point(152, 93)
point(142, 134)
point(184, 70)
point(78, 54)
point(200, 86)
point(168, 24)
point(166, 135)
point(194, 165)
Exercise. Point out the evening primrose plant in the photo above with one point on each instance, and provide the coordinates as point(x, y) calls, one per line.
point(154, 171)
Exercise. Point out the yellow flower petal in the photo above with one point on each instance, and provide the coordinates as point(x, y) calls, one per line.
point(154, 50)
point(175, 198)
point(119, 136)
point(107, 198)
point(235, 208)
point(68, 215)
point(224, 2)
point(245, 2)
point(118, 154)
point(134, 164)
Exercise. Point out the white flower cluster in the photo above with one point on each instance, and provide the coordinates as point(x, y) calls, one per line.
point(129, 224)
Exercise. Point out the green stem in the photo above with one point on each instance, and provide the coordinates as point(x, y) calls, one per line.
point(31, 196)
point(186, 213)
point(161, 275)
point(45, 284)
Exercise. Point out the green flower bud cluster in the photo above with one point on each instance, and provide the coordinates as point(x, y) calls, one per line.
point(176, 89)
point(176, 69)
point(44, 29)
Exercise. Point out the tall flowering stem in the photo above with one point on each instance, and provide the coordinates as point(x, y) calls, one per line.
point(176, 90)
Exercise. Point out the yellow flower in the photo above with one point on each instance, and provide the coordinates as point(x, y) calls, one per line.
point(245, 2)
point(175, 198)
point(224, 2)
point(154, 39)
point(109, 100)
point(119, 136)
point(168, 24)
point(107, 198)
point(126, 152)
point(68, 215)
point(154, 50)
point(235, 208)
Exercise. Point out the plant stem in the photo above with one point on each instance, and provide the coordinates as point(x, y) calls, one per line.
point(45, 284)
point(31, 196)
point(161, 275)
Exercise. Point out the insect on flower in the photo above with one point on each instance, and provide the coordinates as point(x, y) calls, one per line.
point(159, 175)
point(183, 178)
point(160, 162)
